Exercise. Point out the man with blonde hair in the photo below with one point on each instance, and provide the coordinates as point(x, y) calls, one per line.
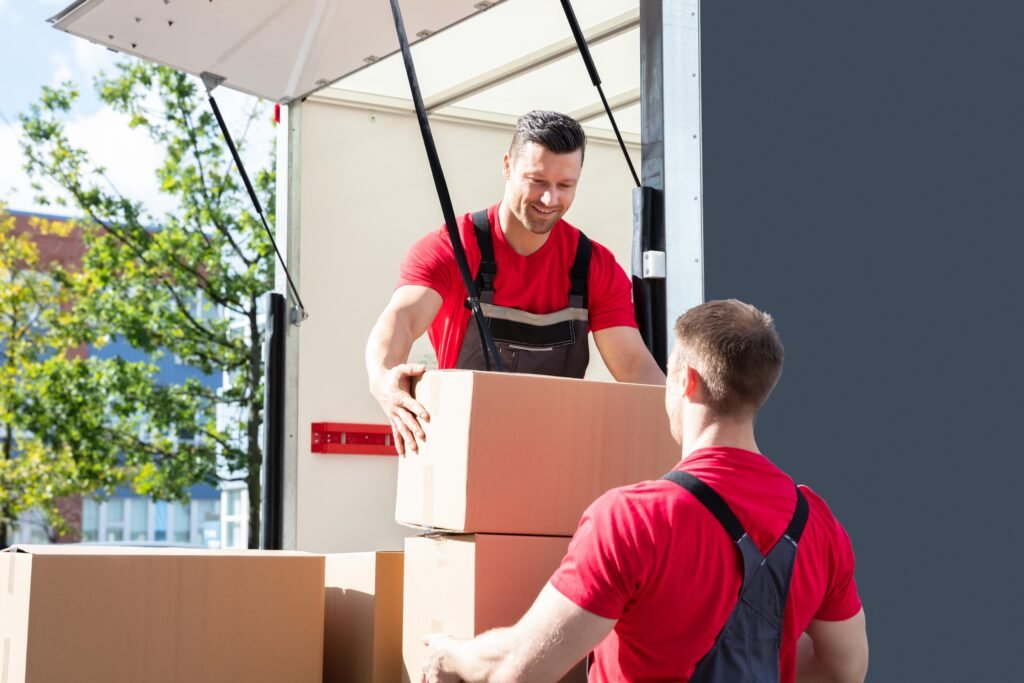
point(722, 571)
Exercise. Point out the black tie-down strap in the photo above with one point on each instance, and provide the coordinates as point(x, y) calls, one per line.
point(488, 271)
point(444, 198)
point(717, 507)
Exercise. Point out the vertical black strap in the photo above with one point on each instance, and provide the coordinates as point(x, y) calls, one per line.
point(796, 525)
point(441, 186)
point(580, 271)
point(488, 266)
point(711, 500)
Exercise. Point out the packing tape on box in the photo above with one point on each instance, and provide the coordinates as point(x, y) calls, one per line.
point(440, 552)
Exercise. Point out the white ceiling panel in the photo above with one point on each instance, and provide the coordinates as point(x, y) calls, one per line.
point(275, 49)
point(498, 59)
point(565, 85)
point(502, 35)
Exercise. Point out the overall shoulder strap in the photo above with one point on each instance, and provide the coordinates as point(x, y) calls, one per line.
point(580, 271)
point(796, 525)
point(488, 268)
point(711, 500)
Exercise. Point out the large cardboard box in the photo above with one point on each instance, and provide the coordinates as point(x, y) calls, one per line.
point(363, 618)
point(525, 454)
point(463, 585)
point(122, 615)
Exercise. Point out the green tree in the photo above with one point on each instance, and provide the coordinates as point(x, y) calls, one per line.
point(30, 474)
point(187, 283)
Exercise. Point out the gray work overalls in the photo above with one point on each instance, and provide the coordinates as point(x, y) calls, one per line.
point(541, 344)
point(747, 649)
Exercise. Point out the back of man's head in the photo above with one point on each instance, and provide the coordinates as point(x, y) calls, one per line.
point(554, 132)
point(736, 351)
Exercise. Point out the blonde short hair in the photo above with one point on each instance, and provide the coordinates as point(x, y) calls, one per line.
point(735, 349)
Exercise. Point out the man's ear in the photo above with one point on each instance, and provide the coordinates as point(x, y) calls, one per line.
point(690, 381)
point(507, 166)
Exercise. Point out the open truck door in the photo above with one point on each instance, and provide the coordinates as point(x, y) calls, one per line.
point(353, 191)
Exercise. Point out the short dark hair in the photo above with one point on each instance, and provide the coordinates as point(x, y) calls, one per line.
point(736, 351)
point(554, 132)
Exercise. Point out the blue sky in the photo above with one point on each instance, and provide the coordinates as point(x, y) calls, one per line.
point(34, 54)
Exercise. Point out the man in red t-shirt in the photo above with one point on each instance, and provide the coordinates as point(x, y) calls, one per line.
point(544, 288)
point(652, 576)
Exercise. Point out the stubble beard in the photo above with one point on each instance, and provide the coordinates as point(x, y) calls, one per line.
point(538, 227)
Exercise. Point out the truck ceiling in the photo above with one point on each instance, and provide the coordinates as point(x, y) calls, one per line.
point(488, 61)
point(279, 50)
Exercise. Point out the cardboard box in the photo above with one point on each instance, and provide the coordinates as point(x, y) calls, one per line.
point(464, 585)
point(526, 454)
point(363, 618)
point(122, 615)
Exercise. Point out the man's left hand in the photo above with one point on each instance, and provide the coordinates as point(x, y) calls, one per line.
point(436, 663)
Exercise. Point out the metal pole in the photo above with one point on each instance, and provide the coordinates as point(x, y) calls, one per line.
point(672, 197)
point(273, 422)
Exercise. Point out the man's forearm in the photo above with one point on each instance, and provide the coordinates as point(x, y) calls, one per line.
point(642, 369)
point(389, 345)
point(485, 659)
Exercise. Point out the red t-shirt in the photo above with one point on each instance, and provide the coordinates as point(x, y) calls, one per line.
point(652, 557)
point(538, 283)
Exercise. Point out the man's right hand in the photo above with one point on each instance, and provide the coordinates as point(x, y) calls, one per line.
point(393, 390)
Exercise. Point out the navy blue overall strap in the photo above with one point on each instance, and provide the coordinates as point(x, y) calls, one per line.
point(796, 525)
point(578, 274)
point(717, 507)
point(580, 269)
point(488, 268)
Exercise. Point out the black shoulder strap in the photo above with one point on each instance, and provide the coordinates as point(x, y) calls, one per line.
point(580, 269)
point(796, 525)
point(711, 500)
point(488, 268)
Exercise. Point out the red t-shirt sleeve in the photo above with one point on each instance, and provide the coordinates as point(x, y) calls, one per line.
point(607, 559)
point(611, 292)
point(430, 262)
point(841, 599)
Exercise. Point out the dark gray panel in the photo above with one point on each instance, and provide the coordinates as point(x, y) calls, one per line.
point(863, 177)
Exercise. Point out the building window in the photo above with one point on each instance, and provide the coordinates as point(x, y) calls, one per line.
point(182, 519)
point(207, 523)
point(235, 518)
point(90, 520)
point(139, 519)
point(114, 523)
point(160, 521)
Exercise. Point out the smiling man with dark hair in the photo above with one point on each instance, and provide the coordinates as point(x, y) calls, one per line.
point(543, 285)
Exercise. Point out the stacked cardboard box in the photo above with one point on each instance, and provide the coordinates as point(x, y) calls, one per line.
point(509, 464)
point(88, 613)
point(363, 618)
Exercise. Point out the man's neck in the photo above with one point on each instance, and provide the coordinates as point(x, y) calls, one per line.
point(704, 432)
point(522, 241)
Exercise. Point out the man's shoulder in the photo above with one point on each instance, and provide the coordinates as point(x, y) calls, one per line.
point(650, 500)
point(819, 511)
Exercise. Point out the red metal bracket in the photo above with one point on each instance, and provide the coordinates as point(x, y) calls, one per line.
point(358, 439)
